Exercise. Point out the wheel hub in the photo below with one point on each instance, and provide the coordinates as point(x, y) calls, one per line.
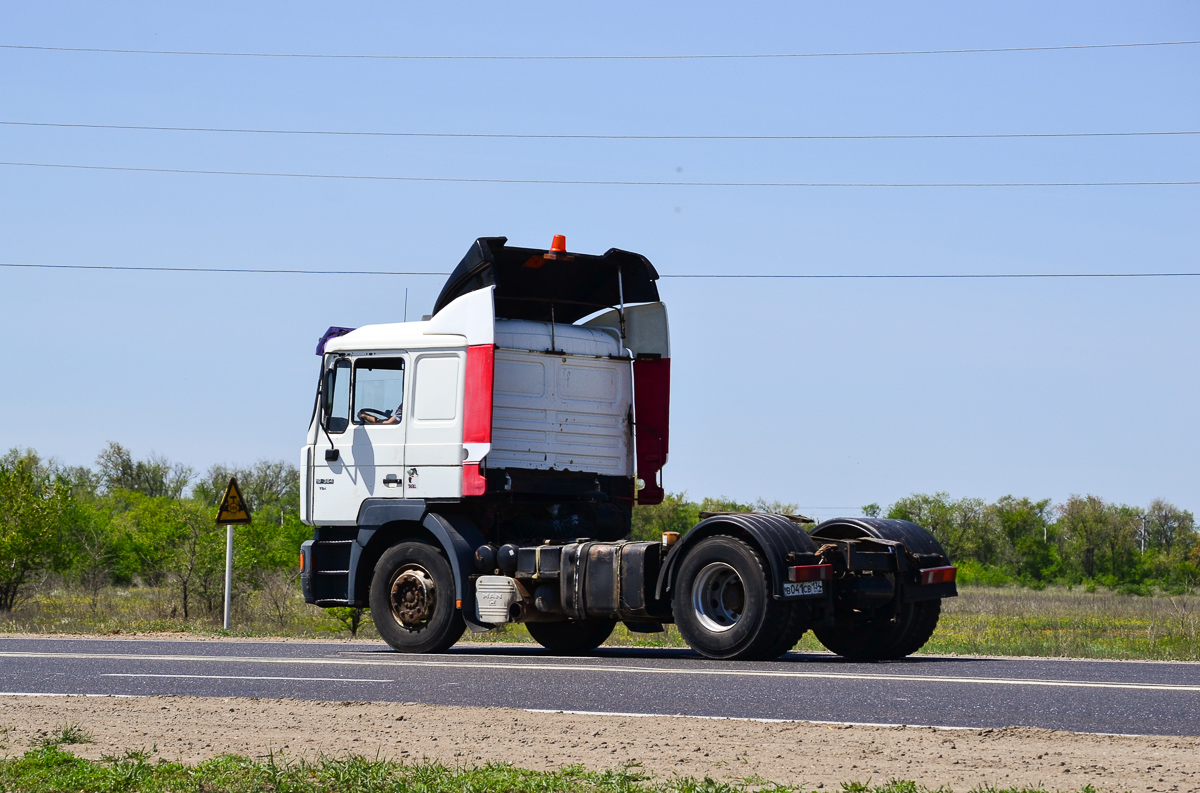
point(718, 597)
point(413, 597)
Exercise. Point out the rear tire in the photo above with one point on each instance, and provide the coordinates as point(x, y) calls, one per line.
point(723, 605)
point(857, 637)
point(885, 634)
point(791, 631)
point(924, 623)
point(571, 637)
point(413, 599)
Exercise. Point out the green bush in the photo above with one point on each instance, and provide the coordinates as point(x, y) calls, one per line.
point(971, 572)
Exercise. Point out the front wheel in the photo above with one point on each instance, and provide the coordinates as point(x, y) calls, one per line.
point(723, 605)
point(571, 637)
point(412, 599)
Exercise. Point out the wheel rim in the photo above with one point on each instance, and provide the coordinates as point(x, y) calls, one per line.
point(413, 597)
point(718, 597)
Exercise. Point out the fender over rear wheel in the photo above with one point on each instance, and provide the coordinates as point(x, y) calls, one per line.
point(412, 599)
point(723, 605)
point(570, 637)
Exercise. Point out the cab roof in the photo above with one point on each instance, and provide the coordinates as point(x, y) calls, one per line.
point(392, 336)
point(542, 285)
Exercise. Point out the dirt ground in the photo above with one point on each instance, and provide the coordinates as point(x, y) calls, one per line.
point(820, 755)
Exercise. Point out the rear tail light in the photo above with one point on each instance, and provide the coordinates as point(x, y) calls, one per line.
point(810, 572)
point(938, 575)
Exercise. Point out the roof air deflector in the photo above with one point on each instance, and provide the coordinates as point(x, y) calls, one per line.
point(531, 286)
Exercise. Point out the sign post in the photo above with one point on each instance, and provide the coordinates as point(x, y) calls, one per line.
point(231, 512)
point(228, 570)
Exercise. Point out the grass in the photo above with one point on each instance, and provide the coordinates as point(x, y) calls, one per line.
point(277, 611)
point(49, 768)
point(1053, 622)
point(1058, 622)
point(66, 735)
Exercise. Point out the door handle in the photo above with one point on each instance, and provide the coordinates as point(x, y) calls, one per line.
point(391, 480)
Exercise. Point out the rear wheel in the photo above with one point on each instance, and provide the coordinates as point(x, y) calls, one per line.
point(886, 633)
point(723, 606)
point(412, 599)
point(880, 637)
point(570, 637)
point(924, 622)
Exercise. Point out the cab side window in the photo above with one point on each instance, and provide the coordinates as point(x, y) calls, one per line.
point(378, 390)
point(337, 396)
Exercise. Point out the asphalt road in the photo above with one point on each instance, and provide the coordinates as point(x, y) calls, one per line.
point(1082, 696)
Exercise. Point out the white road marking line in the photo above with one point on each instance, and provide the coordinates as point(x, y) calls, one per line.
point(690, 716)
point(254, 677)
point(799, 721)
point(470, 645)
point(645, 670)
point(641, 715)
point(638, 715)
point(48, 694)
point(747, 718)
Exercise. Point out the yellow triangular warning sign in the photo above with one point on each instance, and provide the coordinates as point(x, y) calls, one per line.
point(233, 507)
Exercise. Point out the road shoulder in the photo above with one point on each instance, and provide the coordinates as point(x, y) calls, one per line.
point(817, 755)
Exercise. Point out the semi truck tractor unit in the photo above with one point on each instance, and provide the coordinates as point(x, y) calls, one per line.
point(481, 467)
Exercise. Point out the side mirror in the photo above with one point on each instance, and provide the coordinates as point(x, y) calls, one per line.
point(331, 455)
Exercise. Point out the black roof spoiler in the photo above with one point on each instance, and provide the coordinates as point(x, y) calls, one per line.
point(544, 285)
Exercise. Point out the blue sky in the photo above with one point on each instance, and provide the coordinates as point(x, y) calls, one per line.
point(830, 394)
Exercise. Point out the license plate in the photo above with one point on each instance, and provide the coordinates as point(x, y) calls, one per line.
point(803, 588)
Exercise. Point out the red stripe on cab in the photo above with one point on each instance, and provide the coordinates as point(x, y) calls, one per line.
point(477, 401)
point(477, 411)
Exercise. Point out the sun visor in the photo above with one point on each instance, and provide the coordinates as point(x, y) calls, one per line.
point(543, 285)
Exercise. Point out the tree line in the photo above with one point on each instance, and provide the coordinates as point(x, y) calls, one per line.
point(126, 522)
point(149, 522)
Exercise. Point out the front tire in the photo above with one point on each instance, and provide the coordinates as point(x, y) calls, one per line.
point(723, 606)
point(571, 637)
point(413, 599)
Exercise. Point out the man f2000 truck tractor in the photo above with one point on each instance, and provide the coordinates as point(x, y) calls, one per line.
point(480, 467)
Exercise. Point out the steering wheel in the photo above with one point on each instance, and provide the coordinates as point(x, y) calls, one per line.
point(373, 416)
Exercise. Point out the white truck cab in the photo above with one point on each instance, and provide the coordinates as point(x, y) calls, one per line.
point(423, 410)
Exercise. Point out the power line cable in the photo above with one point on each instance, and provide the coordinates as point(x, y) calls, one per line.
point(932, 275)
point(550, 136)
point(795, 276)
point(691, 57)
point(212, 269)
point(592, 182)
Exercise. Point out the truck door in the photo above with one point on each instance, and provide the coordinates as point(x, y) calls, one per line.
point(365, 425)
point(434, 455)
